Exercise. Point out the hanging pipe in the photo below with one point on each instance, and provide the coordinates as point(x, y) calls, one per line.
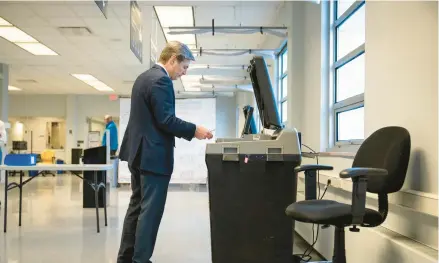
point(224, 28)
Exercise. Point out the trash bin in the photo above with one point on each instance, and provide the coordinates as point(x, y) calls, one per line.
point(95, 155)
point(59, 161)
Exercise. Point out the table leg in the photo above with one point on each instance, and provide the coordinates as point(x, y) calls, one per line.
point(96, 188)
point(6, 202)
point(21, 196)
point(104, 189)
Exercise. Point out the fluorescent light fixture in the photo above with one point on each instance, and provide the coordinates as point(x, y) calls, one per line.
point(177, 16)
point(192, 89)
point(23, 40)
point(15, 35)
point(12, 88)
point(191, 83)
point(4, 22)
point(37, 49)
point(92, 81)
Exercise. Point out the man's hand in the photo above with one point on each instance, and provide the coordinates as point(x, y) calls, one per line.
point(202, 133)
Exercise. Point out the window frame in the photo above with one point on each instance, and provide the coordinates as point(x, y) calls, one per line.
point(356, 101)
point(279, 78)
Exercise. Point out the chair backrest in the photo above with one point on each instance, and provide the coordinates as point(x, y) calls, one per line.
point(387, 148)
point(47, 156)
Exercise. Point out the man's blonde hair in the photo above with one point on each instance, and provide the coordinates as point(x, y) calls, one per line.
point(180, 50)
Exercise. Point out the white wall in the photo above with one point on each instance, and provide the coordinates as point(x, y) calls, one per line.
point(75, 109)
point(401, 89)
point(37, 106)
point(93, 106)
point(225, 117)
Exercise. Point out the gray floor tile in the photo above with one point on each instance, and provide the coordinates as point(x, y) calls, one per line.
point(55, 227)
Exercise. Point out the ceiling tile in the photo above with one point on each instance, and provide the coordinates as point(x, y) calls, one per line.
point(15, 11)
point(53, 9)
point(90, 10)
point(106, 53)
point(30, 21)
point(224, 16)
point(121, 9)
point(66, 22)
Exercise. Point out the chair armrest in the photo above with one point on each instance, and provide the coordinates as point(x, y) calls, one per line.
point(312, 167)
point(360, 176)
point(361, 172)
point(311, 178)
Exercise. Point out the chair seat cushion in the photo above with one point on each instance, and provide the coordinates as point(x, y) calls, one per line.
point(328, 212)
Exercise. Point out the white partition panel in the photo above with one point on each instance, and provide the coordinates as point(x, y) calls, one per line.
point(190, 164)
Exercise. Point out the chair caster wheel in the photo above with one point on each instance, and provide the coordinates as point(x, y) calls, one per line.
point(354, 229)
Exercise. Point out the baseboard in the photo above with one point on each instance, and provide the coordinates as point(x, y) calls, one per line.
point(378, 245)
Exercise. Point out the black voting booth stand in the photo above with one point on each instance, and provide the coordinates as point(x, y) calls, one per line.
point(95, 155)
point(251, 182)
point(247, 201)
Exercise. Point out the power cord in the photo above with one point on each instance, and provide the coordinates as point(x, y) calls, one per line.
point(311, 246)
point(306, 256)
point(318, 173)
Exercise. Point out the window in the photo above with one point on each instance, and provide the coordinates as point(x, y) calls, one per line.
point(350, 124)
point(348, 71)
point(284, 110)
point(282, 84)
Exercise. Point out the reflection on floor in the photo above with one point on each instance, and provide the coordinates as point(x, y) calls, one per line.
point(55, 227)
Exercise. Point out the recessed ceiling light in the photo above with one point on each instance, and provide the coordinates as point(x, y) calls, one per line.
point(12, 88)
point(92, 81)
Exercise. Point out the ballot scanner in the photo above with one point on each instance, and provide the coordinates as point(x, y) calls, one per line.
point(249, 123)
point(250, 184)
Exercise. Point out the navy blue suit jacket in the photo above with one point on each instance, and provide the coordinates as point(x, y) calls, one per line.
point(149, 138)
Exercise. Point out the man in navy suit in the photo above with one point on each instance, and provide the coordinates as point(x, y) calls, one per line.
point(148, 147)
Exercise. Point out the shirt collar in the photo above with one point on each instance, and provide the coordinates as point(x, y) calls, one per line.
point(161, 65)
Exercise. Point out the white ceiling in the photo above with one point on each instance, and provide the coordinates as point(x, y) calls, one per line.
point(106, 53)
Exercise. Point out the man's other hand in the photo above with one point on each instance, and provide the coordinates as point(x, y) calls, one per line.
point(202, 133)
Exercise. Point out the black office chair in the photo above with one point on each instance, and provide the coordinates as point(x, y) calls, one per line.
point(379, 167)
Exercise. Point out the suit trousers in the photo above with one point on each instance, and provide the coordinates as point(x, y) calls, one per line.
point(143, 217)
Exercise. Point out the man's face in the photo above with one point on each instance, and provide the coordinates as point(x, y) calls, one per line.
point(107, 120)
point(178, 69)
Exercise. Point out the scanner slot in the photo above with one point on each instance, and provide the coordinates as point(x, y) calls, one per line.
point(231, 154)
point(275, 154)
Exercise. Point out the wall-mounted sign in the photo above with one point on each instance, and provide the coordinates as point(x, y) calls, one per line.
point(136, 44)
point(102, 4)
